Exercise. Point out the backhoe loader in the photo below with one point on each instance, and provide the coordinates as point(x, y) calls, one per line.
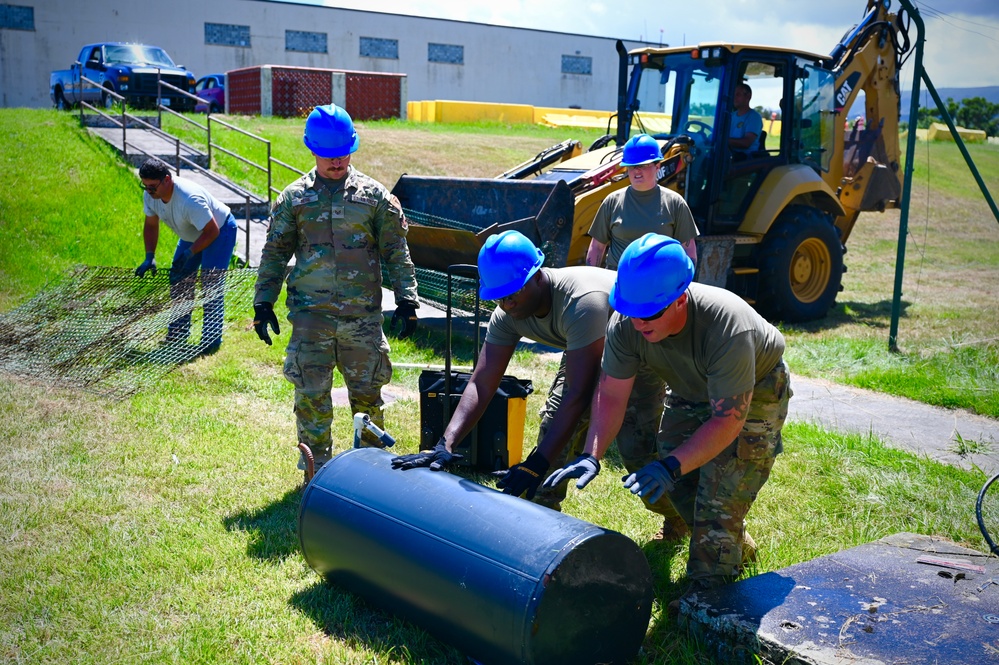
point(773, 223)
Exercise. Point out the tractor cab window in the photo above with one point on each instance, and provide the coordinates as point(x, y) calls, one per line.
point(754, 102)
point(677, 96)
point(814, 129)
point(760, 87)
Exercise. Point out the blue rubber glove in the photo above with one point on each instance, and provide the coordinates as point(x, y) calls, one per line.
point(525, 477)
point(184, 265)
point(404, 318)
point(263, 316)
point(149, 264)
point(651, 481)
point(585, 468)
point(438, 459)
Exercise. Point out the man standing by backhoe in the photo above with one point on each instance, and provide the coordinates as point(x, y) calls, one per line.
point(342, 227)
point(644, 206)
point(565, 308)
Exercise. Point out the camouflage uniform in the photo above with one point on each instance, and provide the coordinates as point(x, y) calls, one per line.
point(725, 349)
point(340, 238)
point(715, 498)
point(577, 318)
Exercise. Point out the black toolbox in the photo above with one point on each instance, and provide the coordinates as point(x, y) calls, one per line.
point(497, 440)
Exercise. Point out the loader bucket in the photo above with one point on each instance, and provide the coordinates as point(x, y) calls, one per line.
point(450, 218)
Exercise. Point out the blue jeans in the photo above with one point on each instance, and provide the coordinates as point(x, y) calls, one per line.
point(213, 262)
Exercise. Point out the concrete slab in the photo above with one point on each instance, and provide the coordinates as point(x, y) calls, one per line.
point(875, 603)
point(250, 240)
point(141, 141)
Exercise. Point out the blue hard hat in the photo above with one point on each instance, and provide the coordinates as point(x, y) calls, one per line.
point(506, 261)
point(329, 132)
point(653, 272)
point(641, 149)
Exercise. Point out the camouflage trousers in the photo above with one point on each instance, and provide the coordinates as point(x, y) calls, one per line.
point(635, 442)
point(714, 499)
point(356, 347)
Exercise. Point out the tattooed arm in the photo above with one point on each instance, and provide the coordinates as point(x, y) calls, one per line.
point(728, 416)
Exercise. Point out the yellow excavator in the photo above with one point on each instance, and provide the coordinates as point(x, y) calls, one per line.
point(773, 222)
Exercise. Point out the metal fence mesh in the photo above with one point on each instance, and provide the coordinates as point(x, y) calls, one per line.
point(296, 91)
point(432, 284)
point(104, 329)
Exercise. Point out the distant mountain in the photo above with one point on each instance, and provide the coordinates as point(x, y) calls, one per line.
point(990, 93)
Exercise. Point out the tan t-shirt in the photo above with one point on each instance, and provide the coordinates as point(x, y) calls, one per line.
point(627, 215)
point(724, 349)
point(578, 316)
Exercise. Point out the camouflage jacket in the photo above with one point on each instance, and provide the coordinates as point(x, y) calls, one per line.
point(340, 240)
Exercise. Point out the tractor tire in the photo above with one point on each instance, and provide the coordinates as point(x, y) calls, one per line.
point(801, 266)
point(60, 101)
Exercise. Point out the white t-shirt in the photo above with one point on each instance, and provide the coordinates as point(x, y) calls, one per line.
point(189, 209)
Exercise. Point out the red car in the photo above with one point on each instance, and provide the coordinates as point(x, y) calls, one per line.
point(211, 90)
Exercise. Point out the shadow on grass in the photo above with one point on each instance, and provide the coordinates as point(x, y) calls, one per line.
point(348, 618)
point(873, 315)
point(664, 639)
point(273, 529)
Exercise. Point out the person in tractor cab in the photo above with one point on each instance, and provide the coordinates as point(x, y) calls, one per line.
point(729, 392)
point(565, 308)
point(746, 125)
point(643, 207)
point(342, 227)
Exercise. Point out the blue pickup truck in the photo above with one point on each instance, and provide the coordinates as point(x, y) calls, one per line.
point(131, 70)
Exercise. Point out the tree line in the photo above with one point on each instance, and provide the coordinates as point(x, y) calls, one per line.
point(973, 113)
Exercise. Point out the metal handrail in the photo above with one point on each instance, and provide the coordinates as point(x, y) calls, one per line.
point(287, 166)
point(126, 118)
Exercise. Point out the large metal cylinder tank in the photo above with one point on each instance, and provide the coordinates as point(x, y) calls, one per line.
point(500, 578)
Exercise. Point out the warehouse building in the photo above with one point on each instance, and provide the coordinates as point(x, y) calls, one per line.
point(440, 59)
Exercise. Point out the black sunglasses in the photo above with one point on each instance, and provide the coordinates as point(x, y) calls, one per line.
point(151, 188)
point(656, 315)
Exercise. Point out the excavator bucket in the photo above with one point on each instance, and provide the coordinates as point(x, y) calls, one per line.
point(450, 218)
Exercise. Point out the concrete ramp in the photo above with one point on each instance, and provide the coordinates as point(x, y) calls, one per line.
point(906, 598)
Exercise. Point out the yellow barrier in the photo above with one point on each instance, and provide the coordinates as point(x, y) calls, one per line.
point(454, 111)
point(940, 132)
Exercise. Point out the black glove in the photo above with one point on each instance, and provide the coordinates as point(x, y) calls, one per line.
point(404, 318)
point(652, 480)
point(148, 264)
point(526, 476)
point(437, 459)
point(585, 467)
point(263, 314)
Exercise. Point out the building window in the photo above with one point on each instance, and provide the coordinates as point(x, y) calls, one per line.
point(310, 42)
point(227, 35)
point(14, 17)
point(577, 64)
point(373, 47)
point(451, 54)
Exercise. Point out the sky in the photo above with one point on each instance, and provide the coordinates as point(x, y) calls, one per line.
point(961, 36)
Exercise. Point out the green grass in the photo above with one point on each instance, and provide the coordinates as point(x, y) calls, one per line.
point(162, 528)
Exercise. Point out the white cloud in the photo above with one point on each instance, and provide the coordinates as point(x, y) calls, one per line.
point(962, 36)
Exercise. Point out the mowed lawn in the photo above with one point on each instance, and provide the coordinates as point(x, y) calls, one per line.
point(162, 528)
